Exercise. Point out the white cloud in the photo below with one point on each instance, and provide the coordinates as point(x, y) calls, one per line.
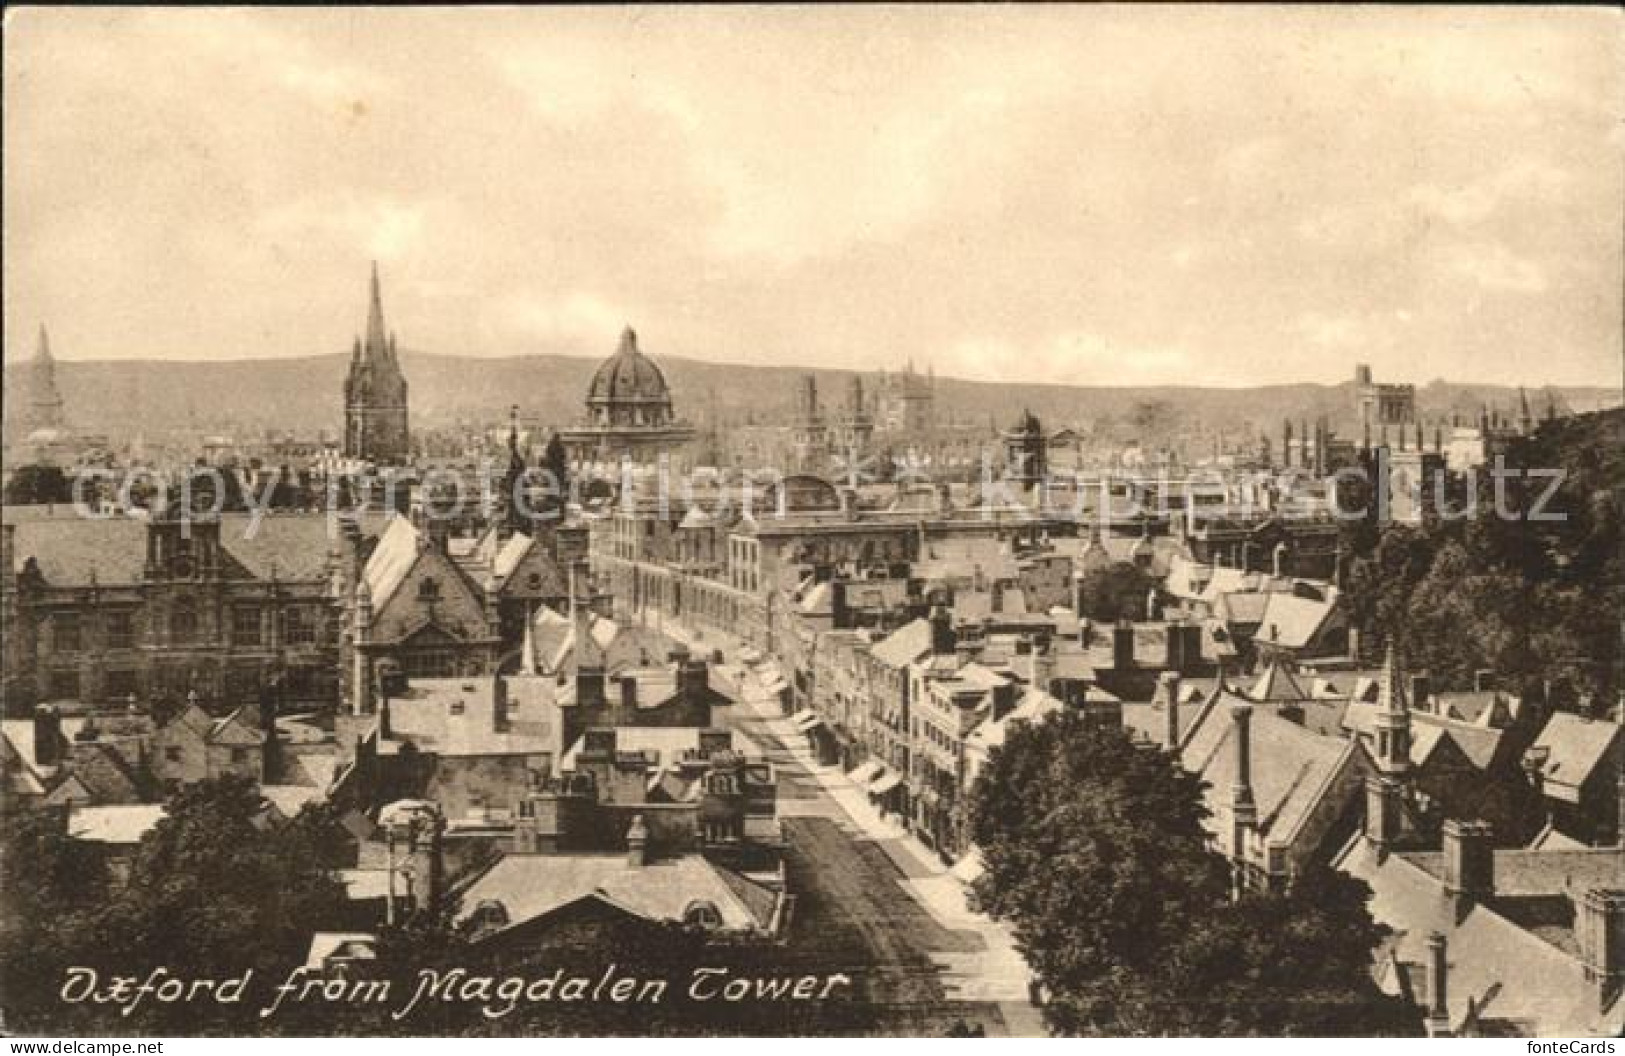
point(1495, 267)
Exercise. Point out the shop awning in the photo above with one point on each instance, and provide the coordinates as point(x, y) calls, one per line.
point(888, 780)
point(865, 773)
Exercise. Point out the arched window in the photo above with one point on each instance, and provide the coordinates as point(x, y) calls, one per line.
point(703, 915)
point(428, 590)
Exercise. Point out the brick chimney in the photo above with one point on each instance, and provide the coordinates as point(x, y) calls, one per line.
point(1420, 690)
point(637, 843)
point(1174, 645)
point(629, 692)
point(1004, 699)
point(1469, 861)
point(1041, 665)
point(1599, 924)
point(1122, 646)
point(47, 735)
point(589, 687)
point(1243, 809)
point(499, 704)
point(1384, 810)
point(942, 631)
point(1438, 1018)
point(1170, 691)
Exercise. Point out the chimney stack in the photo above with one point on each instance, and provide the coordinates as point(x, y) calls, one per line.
point(1438, 1019)
point(1243, 809)
point(1170, 689)
point(629, 693)
point(637, 843)
point(1421, 689)
point(499, 704)
point(47, 735)
point(1600, 926)
point(1122, 646)
point(942, 631)
point(1004, 699)
point(1041, 665)
point(1469, 861)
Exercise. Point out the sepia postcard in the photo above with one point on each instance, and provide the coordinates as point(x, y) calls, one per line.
point(983, 521)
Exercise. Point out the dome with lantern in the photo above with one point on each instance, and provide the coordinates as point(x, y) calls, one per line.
point(629, 389)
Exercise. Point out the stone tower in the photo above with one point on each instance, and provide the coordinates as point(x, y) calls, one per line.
point(375, 428)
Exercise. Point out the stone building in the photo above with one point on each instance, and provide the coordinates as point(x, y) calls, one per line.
point(375, 394)
point(629, 412)
point(99, 611)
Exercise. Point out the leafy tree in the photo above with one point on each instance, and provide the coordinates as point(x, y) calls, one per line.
point(51, 891)
point(214, 890)
point(38, 485)
point(1115, 592)
point(1095, 853)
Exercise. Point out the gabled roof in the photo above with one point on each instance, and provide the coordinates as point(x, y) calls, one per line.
point(531, 886)
point(1033, 706)
point(1292, 768)
point(69, 549)
point(1292, 622)
point(1503, 978)
point(1277, 684)
point(905, 645)
point(392, 558)
point(1569, 750)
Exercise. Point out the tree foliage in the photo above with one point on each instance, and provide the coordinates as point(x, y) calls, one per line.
point(38, 485)
point(1525, 586)
point(1095, 853)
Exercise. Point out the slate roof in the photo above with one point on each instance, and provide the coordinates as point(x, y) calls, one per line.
point(1477, 743)
point(68, 548)
point(529, 886)
point(425, 716)
point(391, 559)
point(1514, 980)
point(1276, 683)
point(1290, 621)
point(1034, 705)
point(1291, 767)
point(904, 646)
point(1568, 751)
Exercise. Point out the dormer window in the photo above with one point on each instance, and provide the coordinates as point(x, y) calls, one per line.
point(428, 590)
point(703, 915)
point(489, 915)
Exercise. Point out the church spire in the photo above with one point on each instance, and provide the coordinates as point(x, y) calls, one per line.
point(375, 318)
point(1393, 720)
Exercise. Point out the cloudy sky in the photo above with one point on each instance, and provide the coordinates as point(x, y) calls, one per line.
point(1088, 195)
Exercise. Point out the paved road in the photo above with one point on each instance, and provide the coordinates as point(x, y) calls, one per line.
point(854, 914)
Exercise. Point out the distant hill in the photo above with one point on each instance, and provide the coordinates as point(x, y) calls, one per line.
point(302, 395)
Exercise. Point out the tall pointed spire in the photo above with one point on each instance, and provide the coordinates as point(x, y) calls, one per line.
point(45, 399)
point(1393, 719)
point(376, 344)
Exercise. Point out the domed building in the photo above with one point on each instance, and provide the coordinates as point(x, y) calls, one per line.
point(629, 411)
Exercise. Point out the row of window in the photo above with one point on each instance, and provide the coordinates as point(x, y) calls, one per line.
point(118, 627)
